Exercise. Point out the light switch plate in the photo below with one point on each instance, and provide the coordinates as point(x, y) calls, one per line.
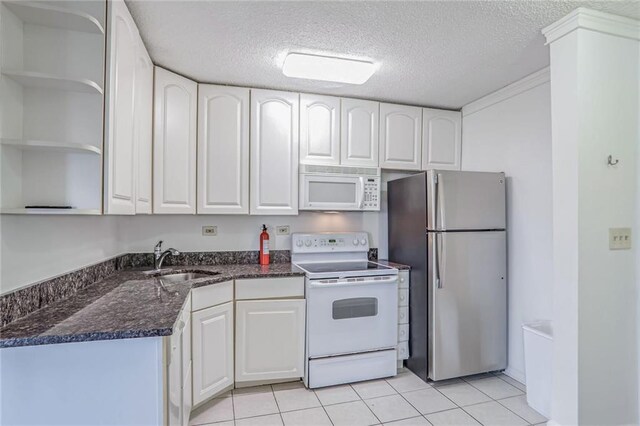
point(619, 238)
point(282, 230)
point(209, 231)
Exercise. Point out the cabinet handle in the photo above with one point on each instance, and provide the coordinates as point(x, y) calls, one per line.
point(401, 279)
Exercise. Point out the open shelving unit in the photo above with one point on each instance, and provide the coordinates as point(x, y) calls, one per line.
point(51, 87)
point(51, 146)
point(54, 82)
point(49, 15)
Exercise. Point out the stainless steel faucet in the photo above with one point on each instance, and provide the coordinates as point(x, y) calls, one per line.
point(159, 255)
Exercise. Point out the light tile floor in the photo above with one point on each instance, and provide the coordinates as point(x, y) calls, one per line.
point(486, 399)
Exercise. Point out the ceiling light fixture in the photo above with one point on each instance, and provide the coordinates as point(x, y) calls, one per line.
point(327, 68)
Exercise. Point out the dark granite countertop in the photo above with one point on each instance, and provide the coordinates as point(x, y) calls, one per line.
point(399, 266)
point(124, 305)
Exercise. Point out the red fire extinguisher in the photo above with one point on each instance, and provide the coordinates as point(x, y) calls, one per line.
point(264, 246)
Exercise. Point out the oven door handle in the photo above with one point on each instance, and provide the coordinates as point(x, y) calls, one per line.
point(332, 283)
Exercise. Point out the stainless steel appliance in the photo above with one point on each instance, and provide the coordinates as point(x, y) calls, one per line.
point(449, 226)
point(352, 309)
point(339, 188)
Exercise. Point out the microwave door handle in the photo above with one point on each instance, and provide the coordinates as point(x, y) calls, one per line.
point(361, 201)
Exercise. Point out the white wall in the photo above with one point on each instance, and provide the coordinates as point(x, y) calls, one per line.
point(510, 131)
point(595, 108)
point(141, 233)
point(33, 248)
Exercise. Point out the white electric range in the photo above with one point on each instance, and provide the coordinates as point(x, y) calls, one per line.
point(352, 309)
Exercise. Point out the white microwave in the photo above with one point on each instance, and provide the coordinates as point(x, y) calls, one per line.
point(337, 188)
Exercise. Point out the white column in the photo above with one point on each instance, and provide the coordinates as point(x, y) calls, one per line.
point(594, 97)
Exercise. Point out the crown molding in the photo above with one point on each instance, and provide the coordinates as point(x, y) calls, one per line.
point(529, 82)
point(593, 20)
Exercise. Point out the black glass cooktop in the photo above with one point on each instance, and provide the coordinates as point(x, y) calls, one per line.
point(354, 266)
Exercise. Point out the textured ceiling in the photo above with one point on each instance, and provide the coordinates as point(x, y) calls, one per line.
point(436, 53)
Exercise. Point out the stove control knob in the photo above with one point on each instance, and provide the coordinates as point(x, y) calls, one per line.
point(363, 241)
point(356, 242)
point(299, 243)
point(307, 243)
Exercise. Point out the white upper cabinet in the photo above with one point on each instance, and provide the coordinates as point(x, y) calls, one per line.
point(174, 143)
point(359, 132)
point(274, 152)
point(400, 137)
point(143, 128)
point(441, 139)
point(319, 129)
point(223, 149)
point(119, 157)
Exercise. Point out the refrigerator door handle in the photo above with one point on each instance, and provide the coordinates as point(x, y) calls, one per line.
point(434, 200)
point(436, 260)
point(440, 205)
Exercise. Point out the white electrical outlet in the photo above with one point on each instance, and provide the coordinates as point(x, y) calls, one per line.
point(282, 230)
point(619, 238)
point(209, 231)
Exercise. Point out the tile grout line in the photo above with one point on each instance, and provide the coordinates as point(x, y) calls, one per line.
point(525, 386)
point(494, 400)
point(233, 407)
point(498, 401)
point(273, 393)
point(324, 409)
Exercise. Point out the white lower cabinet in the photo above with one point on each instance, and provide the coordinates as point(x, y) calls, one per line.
point(270, 336)
point(187, 400)
point(178, 356)
point(403, 315)
point(212, 351)
point(174, 387)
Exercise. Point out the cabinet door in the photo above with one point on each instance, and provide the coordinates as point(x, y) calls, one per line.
point(274, 152)
point(319, 129)
point(212, 333)
point(359, 133)
point(119, 152)
point(143, 127)
point(270, 339)
point(174, 143)
point(441, 139)
point(174, 380)
point(186, 367)
point(223, 149)
point(400, 137)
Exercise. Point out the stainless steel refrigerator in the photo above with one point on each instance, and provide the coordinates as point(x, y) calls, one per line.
point(449, 226)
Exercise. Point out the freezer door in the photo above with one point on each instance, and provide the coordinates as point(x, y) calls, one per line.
point(465, 200)
point(468, 301)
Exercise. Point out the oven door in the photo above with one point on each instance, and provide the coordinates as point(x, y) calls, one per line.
point(318, 192)
point(351, 315)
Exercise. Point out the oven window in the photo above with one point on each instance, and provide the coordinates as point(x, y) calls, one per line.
point(332, 192)
point(356, 307)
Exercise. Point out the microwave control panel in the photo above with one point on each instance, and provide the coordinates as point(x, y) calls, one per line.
point(371, 200)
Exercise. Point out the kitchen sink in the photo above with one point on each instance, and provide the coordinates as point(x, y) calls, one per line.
point(185, 276)
point(170, 277)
